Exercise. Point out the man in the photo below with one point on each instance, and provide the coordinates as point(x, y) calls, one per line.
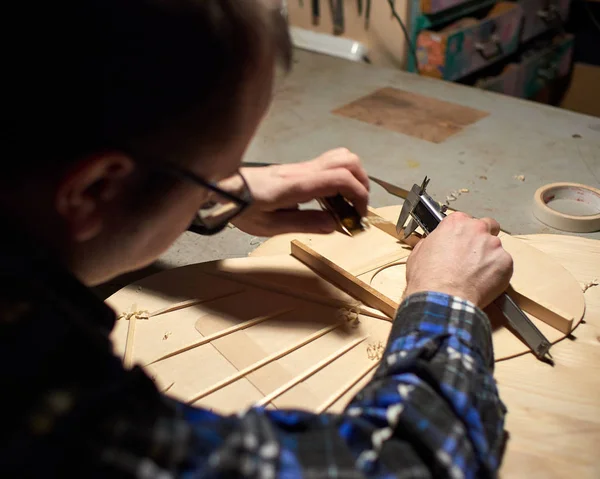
point(129, 118)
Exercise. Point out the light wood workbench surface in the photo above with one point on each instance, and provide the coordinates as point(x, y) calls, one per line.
point(247, 322)
point(554, 412)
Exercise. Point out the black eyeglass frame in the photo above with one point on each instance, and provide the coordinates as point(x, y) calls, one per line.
point(243, 201)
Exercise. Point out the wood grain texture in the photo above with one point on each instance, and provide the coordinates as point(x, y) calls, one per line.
point(411, 114)
point(560, 301)
point(554, 412)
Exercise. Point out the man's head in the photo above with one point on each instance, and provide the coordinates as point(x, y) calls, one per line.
point(113, 89)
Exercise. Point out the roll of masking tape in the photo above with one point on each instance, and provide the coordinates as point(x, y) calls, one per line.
point(580, 205)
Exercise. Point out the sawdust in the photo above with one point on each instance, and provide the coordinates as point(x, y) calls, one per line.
point(590, 284)
point(140, 314)
point(166, 335)
point(463, 190)
point(520, 177)
point(483, 177)
point(375, 351)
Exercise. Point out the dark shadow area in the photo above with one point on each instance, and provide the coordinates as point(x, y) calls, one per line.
point(107, 289)
point(227, 296)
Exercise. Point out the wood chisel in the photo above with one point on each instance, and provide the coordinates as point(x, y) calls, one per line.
point(423, 211)
point(344, 213)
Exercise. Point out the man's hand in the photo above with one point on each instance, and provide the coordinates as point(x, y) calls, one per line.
point(462, 257)
point(278, 190)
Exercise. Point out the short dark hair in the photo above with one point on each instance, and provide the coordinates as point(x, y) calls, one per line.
point(132, 75)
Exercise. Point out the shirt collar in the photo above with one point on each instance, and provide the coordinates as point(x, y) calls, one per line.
point(21, 257)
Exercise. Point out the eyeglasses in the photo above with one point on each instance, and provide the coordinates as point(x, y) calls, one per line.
point(224, 202)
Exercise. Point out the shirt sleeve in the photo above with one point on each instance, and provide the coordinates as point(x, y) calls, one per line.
point(431, 410)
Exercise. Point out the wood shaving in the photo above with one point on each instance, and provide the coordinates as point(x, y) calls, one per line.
point(453, 196)
point(166, 336)
point(520, 177)
point(350, 315)
point(127, 315)
point(254, 241)
point(375, 351)
point(483, 177)
point(590, 284)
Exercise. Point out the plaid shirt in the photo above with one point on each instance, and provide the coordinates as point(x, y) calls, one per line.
point(69, 407)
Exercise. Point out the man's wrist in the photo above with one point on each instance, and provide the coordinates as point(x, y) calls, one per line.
point(432, 313)
point(459, 293)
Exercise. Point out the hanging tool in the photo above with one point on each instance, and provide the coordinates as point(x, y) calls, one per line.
point(316, 14)
point(423, 211)
point(359, 7)
point(367, 14)
point(337, 16)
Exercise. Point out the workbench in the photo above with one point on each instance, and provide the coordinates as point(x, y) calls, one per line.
point(542, 143)
point(553, 411)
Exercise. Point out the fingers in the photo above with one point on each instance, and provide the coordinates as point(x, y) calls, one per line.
point(492, 225)
point(326, 183)
point(343, 158)
point(300, 221)
point(330, 160)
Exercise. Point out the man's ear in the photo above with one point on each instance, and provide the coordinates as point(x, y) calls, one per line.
point(85, 188)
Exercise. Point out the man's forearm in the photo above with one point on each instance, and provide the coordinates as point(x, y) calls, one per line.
point(434, 385)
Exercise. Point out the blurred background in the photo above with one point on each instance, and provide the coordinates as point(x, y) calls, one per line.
point(542, 50)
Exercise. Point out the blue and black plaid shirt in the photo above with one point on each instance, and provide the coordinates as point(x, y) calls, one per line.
point(70, 408)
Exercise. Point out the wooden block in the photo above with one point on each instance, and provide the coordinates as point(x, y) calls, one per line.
point(411, 114)
point(549, 314)
point(344, 280)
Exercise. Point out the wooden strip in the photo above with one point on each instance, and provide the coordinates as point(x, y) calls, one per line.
point(349, 385)
point(263, 362)
point(308, 373)
point(549, 314)
point(344, 280)
point(381, 223)
point(390, 228)
point(220, 334)
point(191, 302)
point(128, 356)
